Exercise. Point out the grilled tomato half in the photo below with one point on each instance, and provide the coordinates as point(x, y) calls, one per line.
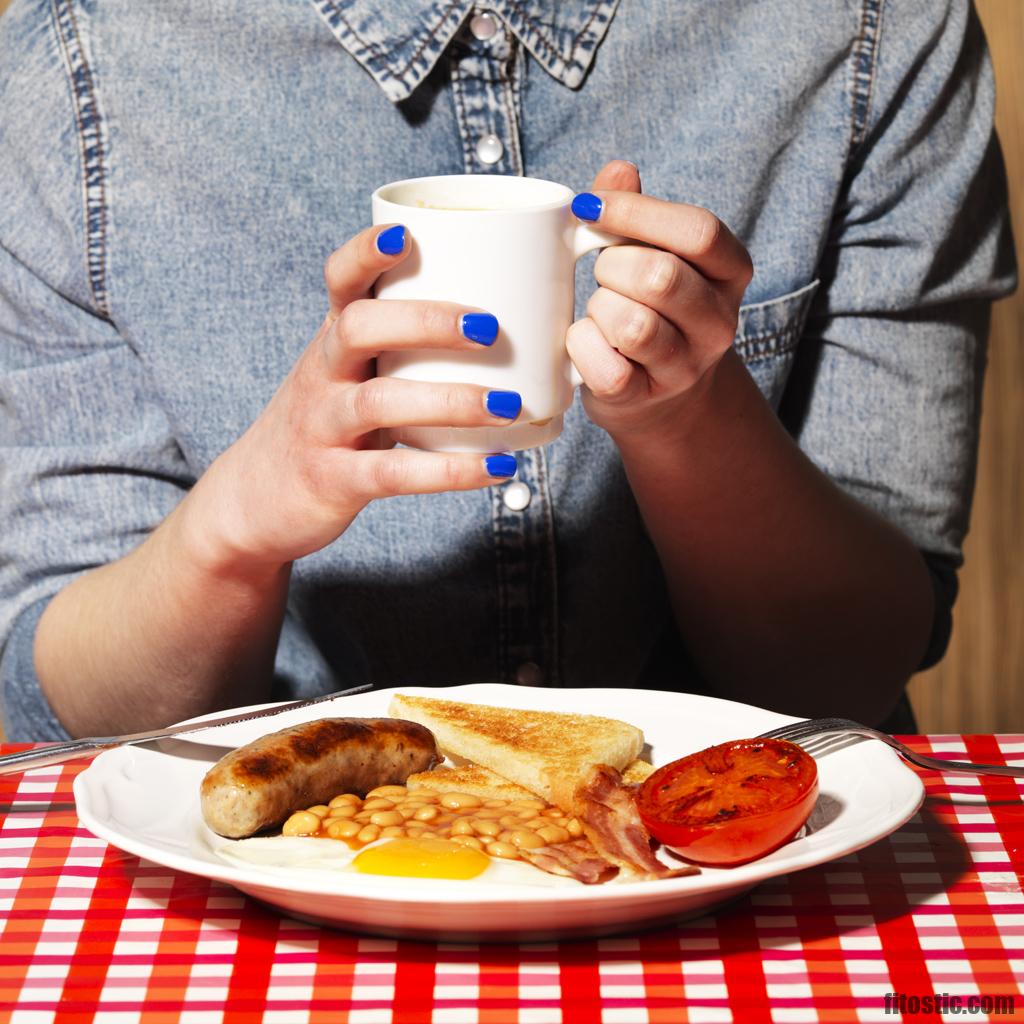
point(731, 803)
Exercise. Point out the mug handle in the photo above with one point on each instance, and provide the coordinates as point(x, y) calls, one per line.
point(585, 239)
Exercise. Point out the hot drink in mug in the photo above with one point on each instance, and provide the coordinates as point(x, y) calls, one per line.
point(507, 245)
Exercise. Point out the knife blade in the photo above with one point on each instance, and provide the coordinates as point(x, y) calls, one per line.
point(56, 753)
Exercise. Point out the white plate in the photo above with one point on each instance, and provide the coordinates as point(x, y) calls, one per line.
point(146, 801)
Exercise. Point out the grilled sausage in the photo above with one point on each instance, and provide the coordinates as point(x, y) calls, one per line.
point(257, 786)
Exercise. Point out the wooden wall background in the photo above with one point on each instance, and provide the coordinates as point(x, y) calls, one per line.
point(979, 686)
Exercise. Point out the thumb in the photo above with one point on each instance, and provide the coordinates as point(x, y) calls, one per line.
point(618, 175)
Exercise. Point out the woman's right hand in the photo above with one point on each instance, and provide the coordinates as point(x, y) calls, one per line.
point(320, 450)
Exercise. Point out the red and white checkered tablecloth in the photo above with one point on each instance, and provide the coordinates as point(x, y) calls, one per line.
point(936, 910)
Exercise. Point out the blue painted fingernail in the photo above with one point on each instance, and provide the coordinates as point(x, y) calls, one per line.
point(587, 206)
point(479, 327)
point(501, 465)
point(506, 404)
point(392, 240)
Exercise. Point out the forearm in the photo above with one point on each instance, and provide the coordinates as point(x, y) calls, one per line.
point(172, 630)
point(787, 591)
point(189, 621)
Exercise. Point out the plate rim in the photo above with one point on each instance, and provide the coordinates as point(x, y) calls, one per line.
point(449, 891)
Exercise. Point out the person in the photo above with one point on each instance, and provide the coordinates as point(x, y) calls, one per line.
point(762, 489)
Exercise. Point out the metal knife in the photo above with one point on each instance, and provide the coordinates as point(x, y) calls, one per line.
point(55, 753)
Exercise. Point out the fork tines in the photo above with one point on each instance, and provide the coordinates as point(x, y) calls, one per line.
point(815, 726)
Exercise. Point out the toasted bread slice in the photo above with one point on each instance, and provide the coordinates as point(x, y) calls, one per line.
point(545, 752)
point(469, 778)
point(636, 772)
point(488, 785)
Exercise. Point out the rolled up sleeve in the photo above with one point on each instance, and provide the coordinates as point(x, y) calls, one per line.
point(886, 393)
point(88, 460)
point(89, 468)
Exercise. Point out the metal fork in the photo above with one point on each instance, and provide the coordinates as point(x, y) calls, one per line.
point(803, 733)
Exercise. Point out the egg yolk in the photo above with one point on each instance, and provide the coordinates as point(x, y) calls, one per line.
point(421, 858)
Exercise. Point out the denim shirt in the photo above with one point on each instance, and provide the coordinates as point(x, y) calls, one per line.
point(174, 174)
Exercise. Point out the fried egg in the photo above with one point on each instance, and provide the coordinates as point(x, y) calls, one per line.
point(421, 858)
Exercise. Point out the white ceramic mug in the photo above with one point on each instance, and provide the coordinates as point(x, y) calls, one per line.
point(508, 246)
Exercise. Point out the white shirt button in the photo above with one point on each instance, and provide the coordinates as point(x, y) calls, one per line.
point(516, 496)
point(483, 26)
point(529, 674)
point(489, 149)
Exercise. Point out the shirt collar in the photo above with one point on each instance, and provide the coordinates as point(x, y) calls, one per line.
point(399, 42)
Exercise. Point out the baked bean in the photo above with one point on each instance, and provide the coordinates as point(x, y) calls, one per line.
point(342, 828)
point(301, 823)
point(345, 798)
point(458, 801)
point(504, 850)
point(535, 840)
point(368, 833)
point(498, 826)
point(388, 792)
point(470, 841)
point(552, 834)
point(339, 817)
point(344, 811)
point(524, 839)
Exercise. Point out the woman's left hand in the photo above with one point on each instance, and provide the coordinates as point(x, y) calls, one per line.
point(665, 312)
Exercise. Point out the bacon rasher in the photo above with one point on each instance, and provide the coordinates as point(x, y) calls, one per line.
point(575, 859)
point(604, 806)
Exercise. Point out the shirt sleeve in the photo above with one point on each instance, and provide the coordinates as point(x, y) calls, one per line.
point(88, 462)
point(885, 393)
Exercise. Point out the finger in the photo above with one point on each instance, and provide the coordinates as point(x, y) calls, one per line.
point(691, 232)
point(388, 402)
point(639, 333)
point(608, 374)
point(618, 174)
point(352, 270)
point(367, 327)
point(384, 474)
point(671, 287)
